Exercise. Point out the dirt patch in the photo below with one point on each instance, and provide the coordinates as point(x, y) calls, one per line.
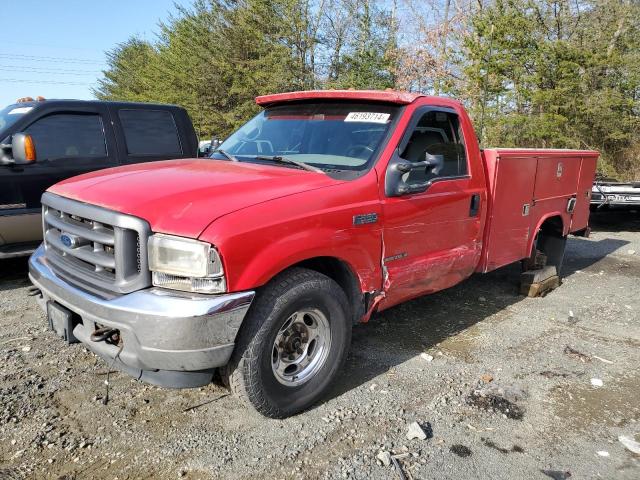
point(513, 449)
point(53, 424)
point(614, 404)
point(498, 399)
point(460, 450)
point(572, 352)
point(551, 374)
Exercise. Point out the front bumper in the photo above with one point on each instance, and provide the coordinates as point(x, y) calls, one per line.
point(616, 197)
point(168, 338)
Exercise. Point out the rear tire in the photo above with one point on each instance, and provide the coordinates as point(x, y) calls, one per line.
point(291, 345)
point(547, 250)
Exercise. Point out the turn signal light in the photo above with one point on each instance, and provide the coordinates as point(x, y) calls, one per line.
point(29, 149)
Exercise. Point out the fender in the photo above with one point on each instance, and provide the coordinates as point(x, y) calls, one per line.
point(261, 241)
point(286, 252)
point(544, 218)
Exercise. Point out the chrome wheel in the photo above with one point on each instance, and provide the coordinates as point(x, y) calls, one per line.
point(301, 347)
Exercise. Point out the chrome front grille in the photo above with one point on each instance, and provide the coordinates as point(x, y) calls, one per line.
point(94, 248)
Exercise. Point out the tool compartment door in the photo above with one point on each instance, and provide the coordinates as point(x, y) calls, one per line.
point(556, 179)
point(512, 180)
point(580, 219)
point(556, 187)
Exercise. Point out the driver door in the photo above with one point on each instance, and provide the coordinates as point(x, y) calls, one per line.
point(431, 238)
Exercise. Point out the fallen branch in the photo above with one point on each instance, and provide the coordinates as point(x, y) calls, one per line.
point(398, 468)
point(204, 403)
point(15, 339)
point(604, 360)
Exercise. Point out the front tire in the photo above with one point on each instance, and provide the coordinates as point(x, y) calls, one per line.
point(291, 345)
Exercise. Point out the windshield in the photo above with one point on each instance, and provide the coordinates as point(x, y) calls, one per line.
point(341, 136)
point(9, 115)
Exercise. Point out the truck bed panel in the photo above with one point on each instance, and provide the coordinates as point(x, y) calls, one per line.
point(527, 186)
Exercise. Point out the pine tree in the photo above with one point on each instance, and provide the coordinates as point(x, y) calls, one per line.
point(553, 73)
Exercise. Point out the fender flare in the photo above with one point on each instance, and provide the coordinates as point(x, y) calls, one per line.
point(541, 221)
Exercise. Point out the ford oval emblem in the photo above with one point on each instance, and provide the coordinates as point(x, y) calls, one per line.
point(66, 240)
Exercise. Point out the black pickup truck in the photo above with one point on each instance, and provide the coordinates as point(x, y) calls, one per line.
point(45, 141)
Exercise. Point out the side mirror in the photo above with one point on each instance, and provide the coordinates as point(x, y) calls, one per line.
point(23, 149)
point(395, 186)
point(434, 162)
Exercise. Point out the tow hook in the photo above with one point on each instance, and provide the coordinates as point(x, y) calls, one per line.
point(33, 291)
point(106, 334)
point(111, 336)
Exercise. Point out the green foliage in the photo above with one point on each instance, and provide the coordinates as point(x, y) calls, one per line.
point(368, 62)
point(557, 74)
point(534, 73)
point(124, 80)
point(215, 57)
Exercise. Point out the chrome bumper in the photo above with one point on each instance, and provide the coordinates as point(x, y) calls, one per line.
point(168, 338)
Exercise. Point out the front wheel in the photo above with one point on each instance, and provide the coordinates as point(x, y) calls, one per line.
point(292, 343)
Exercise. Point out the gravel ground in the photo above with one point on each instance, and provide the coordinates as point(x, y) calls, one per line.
point(501, 385)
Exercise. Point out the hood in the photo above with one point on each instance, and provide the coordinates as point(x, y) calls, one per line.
point(182, 197)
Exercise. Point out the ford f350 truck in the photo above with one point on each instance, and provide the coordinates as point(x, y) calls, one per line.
point(326, 207)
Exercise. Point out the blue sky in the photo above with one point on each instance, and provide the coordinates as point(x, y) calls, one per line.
point(56, 48)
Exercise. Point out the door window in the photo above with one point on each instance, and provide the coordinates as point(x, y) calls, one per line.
point(68, 135)
point(150, 132)
point(436, 133)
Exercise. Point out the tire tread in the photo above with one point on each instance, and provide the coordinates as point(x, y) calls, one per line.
point(237, 374)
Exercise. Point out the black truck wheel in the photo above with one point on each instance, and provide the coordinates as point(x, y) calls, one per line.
point(291, 345)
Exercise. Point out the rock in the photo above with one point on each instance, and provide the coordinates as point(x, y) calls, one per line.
point(602, 453)
point(486, 378)
point(557, 474)
point(482, 299)
point(384, 457)
point(415, 431)
point(631, 252)
point(596, 382)
point(426, 356)
point(26, 348)
point(630, 444)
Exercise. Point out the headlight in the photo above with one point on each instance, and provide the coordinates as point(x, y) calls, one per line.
point(185, 264)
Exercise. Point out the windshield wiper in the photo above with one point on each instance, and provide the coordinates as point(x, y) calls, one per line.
point(227, 154)
point(281, 159)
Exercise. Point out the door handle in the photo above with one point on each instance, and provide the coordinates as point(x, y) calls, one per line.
point(474, 208)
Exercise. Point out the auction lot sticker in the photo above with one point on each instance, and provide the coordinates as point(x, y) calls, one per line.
point(368, 117)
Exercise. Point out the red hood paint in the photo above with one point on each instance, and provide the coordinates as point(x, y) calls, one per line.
point(183, 197)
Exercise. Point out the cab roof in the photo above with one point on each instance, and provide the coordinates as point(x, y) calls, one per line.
point(61, 102)
point(386, 96)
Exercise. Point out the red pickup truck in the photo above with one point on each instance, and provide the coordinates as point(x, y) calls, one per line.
point(326, 207)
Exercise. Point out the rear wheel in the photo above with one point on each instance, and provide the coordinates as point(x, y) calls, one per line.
point(292, 343)
point(552, 245)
